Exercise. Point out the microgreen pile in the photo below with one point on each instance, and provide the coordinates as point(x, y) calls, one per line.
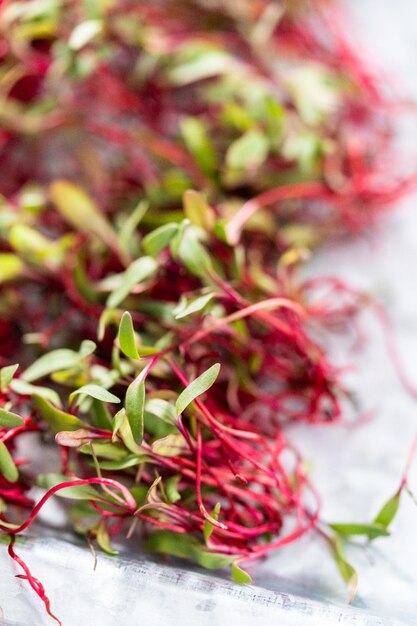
point(167, 167)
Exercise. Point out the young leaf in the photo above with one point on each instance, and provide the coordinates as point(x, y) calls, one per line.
point(103, 540)
point(22, 388)
point(7, 467)
point(83, 33)
point(198, 211)
point(186, 547)
point(35, 247)
point(109, 316)
point(101, 416)
point(94, 391)
point(54, 361)
point(346, 570)
point(188, 248)
point(369, 530)
point(104, 449)
point(73, 438)
point(162, 409)
point(134, 405)
point(125, 433)
point(128, 228)
point(171, 488)
point(78, 209)
point(199, 145)
point(388, 511)
point(171, 445)
point(208, 526)
point(205, 62)
point(127, 336)
point(247, 152)
point(58, 420)
point(6, 375)
point(197, 387)
point(117, 422)
point(129, 460)
point(87, 347)
point(187, 308)
point(239, 575)
point(314, 92)
point(159, 239)
point(9, 419)
point(139, 271)
point(11, 267)
point(81, 492)
point(211, 560)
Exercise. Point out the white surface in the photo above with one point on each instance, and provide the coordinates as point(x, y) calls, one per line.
point(356, 469)
point(140, 591)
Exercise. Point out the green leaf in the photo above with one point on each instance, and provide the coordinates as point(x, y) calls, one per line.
point(315, 91)
point(170, 488)
point(126, 435)
point(208, 526)
point(51, 362)
point(128, 228)
point(9, 419)
point(83, 33)
point(87, 348)
point(139, 271)
point(94, 391)
point(11, 267)
point(159, 239)
point(182, 227)
point(187, 247)
point(134, 405)
point(103, 540)
point(7, 466)
point(127, 336)
point(162, 409)
point(108, 316)
point(197, 387)
point(37, 248)
point(185, 308)
point(85, 286)
point(346, 570)
point(129, 460)
point(172, 445)
point(388, 511)
point(198, 144)
point(201, 63)
point(369, 530)
point(101, 416)
point(248, 152)
point(6, 375)
point(104, 449)
point(211, 560)
point(79, 210)
point(58, 420)
point(237, 116)
point(117, 422)
point(186, 547)
point(81, 492)
point(198, 211)
point(22, 388)
point(239, 575)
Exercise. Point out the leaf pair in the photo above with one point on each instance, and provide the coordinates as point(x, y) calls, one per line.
point(378, 528)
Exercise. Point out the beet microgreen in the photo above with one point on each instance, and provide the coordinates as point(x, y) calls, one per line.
point(184, 174)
